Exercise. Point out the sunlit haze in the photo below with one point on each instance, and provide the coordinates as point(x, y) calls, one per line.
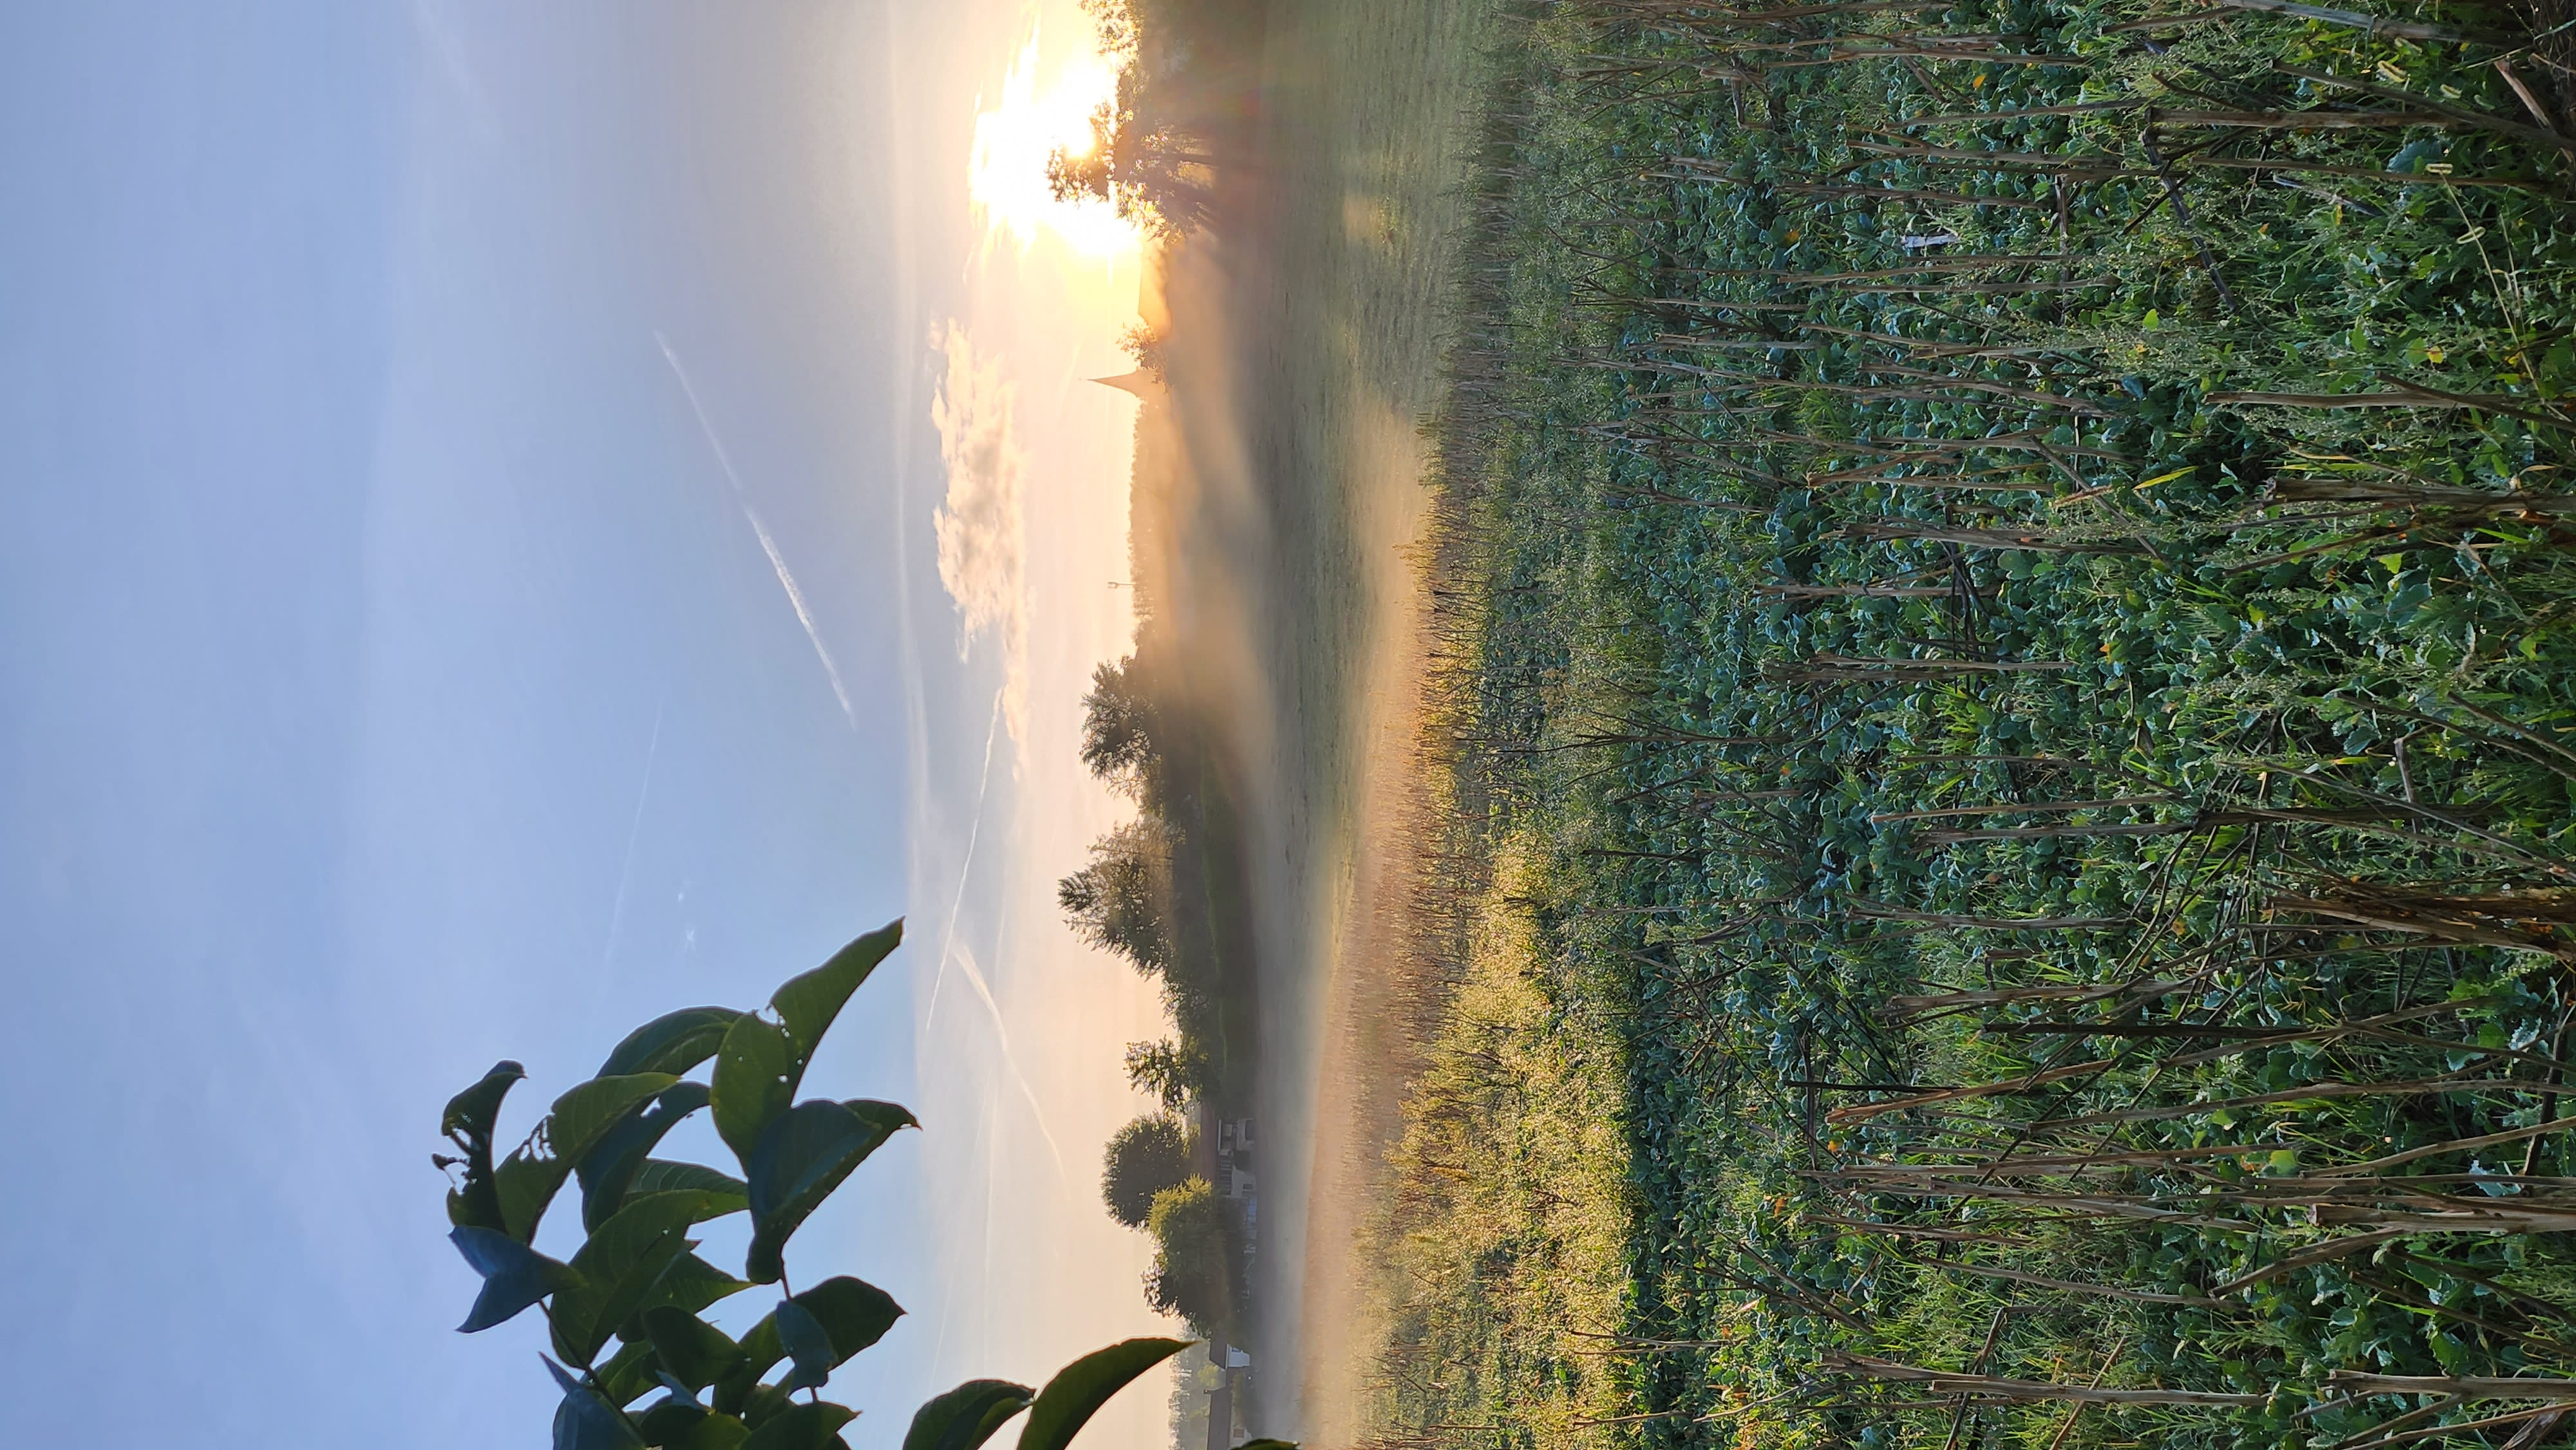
point(1013, 138)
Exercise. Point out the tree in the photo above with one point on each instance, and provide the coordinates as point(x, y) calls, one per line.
point(1119, 721)
point(637, 1284)
point(1121, 901)
point(1145, 1158)
point(1150, 169)
point(1198, 1258)
point(1171, 1071)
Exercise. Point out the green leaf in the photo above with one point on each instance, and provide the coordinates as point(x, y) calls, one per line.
point(673, 1042)
point(724, 1193)
point(715, 1431)
point(762, 1060)
point(1079, 1389)
point(690, 1284)
point(692, 1351)
point(607, 1171)
point(580, 1118)
point(801, 1427)
point(670, 1420)
point(762, 1403)
point(809, 1349)
point(755, 1080)
point(584, 1421)
point(1267, 1445)
point(807, 1004)
point(966, 1417)
point(468, 1122)
point(618, 1267)
point(625, 1376)
point(801, 1159)
point(514, 1275)
point(852, 1312)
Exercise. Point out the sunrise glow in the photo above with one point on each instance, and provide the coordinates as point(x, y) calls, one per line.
point(1006, 171)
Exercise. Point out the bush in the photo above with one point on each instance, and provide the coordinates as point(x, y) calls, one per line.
point(1198, 1256)
point(1145, 1158)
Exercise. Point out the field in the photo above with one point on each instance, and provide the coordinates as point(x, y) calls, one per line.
point(2003, 589)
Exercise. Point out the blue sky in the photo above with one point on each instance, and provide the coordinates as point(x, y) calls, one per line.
point(412, 417)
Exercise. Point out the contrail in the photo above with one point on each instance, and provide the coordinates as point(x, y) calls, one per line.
point(769, 546)
point(974, 832)
point(950, 950)
point(1010, 1060)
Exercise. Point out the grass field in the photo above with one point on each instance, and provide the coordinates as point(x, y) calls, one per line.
point(2006, 596)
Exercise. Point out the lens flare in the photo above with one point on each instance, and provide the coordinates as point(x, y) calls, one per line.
point(1006, 170)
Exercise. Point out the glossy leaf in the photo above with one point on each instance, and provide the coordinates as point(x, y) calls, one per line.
point(608, 1170)
point(809, 1349)
point(761, 1403)
point(673, 1042)
point(755, 1080)
point(624, 1377)
point(852, 1312)
point(468, 1122)
point(801, 1427)
point(692, 1351)
point(966, 1417)
point(669, 1419)
point(801, 1159)
point(690, 1284)
point(1079, 1389)
point(527, 1180)
point(713, 1431)
point(514, 1275)
point(807, 1004)
point(618, 1267)
point(724, 1193)
point(584, 1421)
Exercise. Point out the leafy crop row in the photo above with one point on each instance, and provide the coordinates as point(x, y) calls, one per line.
point(2016, 552)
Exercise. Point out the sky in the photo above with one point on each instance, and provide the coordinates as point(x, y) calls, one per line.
point(515, 518)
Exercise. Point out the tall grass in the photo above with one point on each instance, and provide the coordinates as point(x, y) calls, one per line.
point(2009, 574)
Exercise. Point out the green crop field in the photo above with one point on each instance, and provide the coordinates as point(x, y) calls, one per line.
point(2007, 584)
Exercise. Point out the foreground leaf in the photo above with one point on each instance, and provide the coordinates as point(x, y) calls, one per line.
point(724, 1193)
point(800, 1160)
point(1079, 1389)
point(965, 1417)
point(713, 1431)
point(514, 1275)
point(608, 1170)
point(468, 1122)
point(809, 1349)
point(692, 1351)
point(673, 1042)
point(852, 1314)
point(689, 1285)
point(618, 1267)
point(527, 1181)
point(807, 1004)
point(584, 1421)
point(755, 1080)
point(801, 1427)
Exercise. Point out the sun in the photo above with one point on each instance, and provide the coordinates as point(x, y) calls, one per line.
point(1006, 169)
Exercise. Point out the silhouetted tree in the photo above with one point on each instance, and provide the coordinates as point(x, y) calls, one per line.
point(1147, 1157)
point(1122, 900)
point(1170, 1070)
point(1119, 717)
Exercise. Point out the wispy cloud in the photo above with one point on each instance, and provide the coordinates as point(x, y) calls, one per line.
point(768, 545)
point(982, 526)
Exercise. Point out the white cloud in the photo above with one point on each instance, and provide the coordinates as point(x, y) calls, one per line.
point(982, 526)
